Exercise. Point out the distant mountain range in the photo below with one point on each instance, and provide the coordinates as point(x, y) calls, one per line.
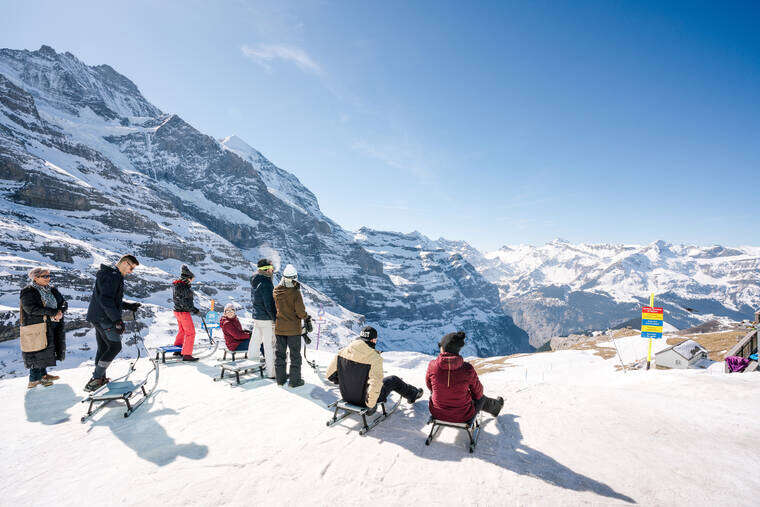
point(560, 288)
point(90, 169)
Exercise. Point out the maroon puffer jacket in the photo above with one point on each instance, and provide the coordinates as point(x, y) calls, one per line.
point(454, 385)
point(233, 332)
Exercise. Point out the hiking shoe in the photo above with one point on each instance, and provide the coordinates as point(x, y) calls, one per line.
point(297, 383)
point(497, 409)
point(95, 383)
point(50, 377)
point(416, 397)
point(189, 358)
point(36, 383)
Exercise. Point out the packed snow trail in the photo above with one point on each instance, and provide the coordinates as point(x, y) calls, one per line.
point(604, 437)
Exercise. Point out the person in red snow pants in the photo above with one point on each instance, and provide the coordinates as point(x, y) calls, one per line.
point(186, 333)
point(183, 307)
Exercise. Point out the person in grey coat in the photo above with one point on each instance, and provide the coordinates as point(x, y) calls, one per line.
point(41, 302)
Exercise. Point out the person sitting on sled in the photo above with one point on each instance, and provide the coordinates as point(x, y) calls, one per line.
point(358, 369)
point(183, 307)
point(457, 394)
point(235, 336)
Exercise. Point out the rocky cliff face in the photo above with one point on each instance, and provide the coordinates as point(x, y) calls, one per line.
point(90, 169)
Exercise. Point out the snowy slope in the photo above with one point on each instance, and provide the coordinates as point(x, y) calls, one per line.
point(573, 432)
point(561, 287)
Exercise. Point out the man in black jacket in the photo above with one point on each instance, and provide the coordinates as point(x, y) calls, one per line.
point(264, 314)
point(104, 313)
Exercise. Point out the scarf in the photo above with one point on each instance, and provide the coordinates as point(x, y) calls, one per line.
point(48, 299)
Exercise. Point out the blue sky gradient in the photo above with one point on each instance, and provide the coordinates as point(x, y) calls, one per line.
point(495, 123)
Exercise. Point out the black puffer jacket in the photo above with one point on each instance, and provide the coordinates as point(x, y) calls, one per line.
point(106, 302)
point(33, 312)
point(183, 297)
point(261, 295)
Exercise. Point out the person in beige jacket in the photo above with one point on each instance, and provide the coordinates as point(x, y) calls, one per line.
point(358, 370)
point(291, 313)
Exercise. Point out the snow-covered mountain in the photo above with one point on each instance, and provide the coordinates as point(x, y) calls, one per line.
point(89, 169)
point(561, 287)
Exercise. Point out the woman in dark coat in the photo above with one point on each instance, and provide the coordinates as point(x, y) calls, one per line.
point(41, 301)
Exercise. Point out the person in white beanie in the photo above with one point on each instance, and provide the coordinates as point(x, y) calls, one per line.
point(288, 327)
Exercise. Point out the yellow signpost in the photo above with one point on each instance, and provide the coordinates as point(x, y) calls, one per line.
point(651, 325)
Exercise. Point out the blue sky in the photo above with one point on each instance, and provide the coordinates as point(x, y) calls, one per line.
point(492, 122)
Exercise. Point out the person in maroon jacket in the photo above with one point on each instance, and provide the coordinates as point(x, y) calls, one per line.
point(235, 336)
point(457, 394)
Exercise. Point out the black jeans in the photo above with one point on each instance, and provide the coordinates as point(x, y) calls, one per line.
point(36, 374)
point(109, 345)
point(283, 344)
point(395, 384)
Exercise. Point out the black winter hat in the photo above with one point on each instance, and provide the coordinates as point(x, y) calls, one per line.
point(368, 333)
point(186, 273)
point(264, 262)
point(452, 342)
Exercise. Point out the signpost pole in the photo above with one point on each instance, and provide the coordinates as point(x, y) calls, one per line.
point(649, 353)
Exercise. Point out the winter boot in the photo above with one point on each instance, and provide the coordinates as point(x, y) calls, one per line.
point(177, 354)
point(496, 408)
point(36, 383)
point(297, 383)
point(50, 377)
point(95, 383)
point(415, 397)
point(189, 358)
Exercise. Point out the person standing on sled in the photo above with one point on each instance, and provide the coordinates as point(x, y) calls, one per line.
point(104, 313)
point(457, 394)
point(235, 336)
point(183, 307)
point(358, 369)
point(287, 328)
point(264, 315)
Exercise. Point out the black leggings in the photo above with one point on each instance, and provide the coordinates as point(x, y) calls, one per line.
point(490, 405)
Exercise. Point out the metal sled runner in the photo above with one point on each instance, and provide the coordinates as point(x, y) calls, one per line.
point(173, 349)
point(240, 368)
point(472, 428)
point(123, 389)
point(351, 409)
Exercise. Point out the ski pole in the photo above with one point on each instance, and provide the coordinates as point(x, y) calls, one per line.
point(211, 340)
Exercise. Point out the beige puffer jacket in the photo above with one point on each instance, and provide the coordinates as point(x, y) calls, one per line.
point(359, 352)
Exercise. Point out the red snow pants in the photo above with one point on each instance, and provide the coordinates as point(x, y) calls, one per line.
point(186, 334)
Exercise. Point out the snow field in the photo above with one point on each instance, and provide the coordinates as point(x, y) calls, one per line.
point(578, 433)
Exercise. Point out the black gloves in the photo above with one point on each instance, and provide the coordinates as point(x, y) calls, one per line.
point(131, 306)
point(306, 338)
point(307, 324)
point(119, 326)
point(196, 311)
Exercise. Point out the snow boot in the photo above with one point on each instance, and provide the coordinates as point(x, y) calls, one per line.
point(176, 354)
point(95, 383)
point(297, 383)
point(36, 383)
point(50, 377)
point(189, 358)
point(496, 409)
point(416, 396)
